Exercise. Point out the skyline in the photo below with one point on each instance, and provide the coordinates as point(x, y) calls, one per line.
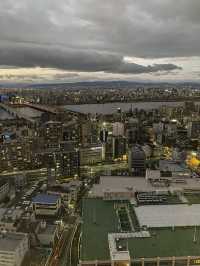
point(90, 40)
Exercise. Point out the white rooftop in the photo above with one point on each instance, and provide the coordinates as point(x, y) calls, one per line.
point(121, 183)
point(168, 215)
point(116, 255)
point(152, 174)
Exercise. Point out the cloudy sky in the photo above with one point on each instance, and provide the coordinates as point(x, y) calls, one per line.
point(73, 40)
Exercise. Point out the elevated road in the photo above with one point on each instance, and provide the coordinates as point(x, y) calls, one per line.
point(61, 254)
point(15, 113)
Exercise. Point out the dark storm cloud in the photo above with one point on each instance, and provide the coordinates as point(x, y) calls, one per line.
point(129, 68)
point(93, 35)
point(73, 60)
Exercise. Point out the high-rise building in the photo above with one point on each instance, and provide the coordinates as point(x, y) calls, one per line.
point(119, 147)
point(193, 129)
point(70, 163)
point(63, 161)
point(71, 131)
point(15, 154)
point(136, 161)
point(132, 129)
point(52, 131)
point(118, 129)
point(89, 133)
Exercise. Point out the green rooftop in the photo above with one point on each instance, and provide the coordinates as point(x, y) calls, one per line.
point(166, 243)
point(100, 218)
point(193, 198)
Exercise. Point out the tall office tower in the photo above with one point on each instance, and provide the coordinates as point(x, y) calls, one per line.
point(136, 161)
point(69, 160)
point(132, 129)
point(89, 132)
point(119, 147)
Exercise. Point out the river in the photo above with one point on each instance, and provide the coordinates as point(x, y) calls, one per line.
point(109, 108)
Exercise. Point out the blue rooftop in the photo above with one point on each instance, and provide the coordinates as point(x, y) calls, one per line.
point(45, 198)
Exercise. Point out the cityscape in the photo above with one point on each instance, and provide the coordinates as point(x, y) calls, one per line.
point(99, 133)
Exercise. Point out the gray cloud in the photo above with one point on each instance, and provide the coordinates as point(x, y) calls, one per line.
point(73, 60)
point(131, 68)
point(93, 35)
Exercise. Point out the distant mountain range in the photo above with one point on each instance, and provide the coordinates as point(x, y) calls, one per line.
point(103, 84)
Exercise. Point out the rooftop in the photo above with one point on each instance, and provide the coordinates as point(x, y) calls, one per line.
point(168, 165)
point(10, 241)
point(95, 224)
point(163, 242)
point(168, 215)
point(10, 214)
point(139, 184)
point(45, 198)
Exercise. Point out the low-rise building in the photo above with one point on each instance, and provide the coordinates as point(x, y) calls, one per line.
point(9, 219)
point(68, 191)
point(47, 234)
point(46, 204)
point(13, 248)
